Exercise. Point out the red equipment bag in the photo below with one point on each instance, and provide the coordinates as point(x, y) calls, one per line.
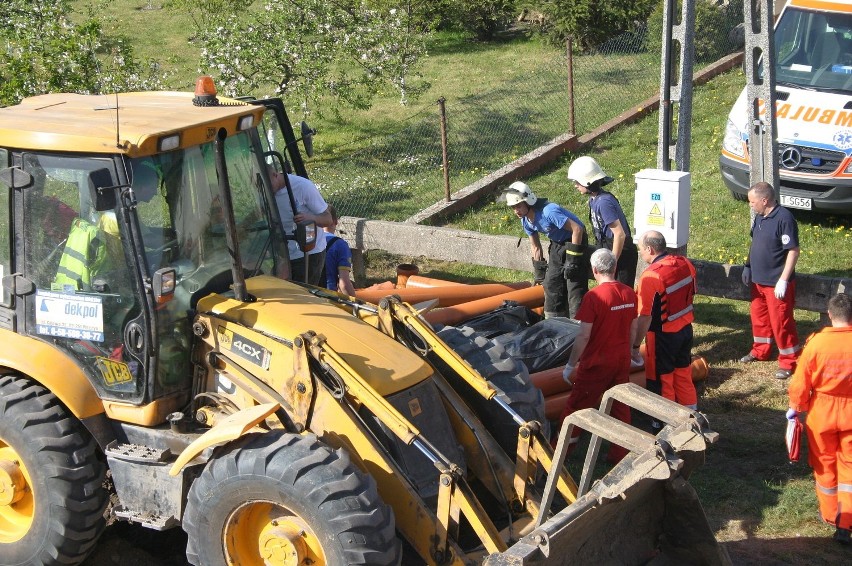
point(795, 428)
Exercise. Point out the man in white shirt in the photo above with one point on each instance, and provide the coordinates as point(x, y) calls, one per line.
point(309, 206)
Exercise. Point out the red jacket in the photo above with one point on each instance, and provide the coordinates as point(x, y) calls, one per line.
point(666, 289)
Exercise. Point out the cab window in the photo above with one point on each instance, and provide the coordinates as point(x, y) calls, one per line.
point(5, 234)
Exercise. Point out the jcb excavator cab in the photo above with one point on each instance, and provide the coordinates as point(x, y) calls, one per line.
point(114, 252)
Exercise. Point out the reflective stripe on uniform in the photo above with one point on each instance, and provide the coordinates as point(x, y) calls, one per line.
point(761, 340)
point(827, 490)
point(788, 351)
point(680, 313)
point(674, 287)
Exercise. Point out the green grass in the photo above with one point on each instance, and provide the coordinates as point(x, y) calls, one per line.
point(719, 224)
point(155, 33)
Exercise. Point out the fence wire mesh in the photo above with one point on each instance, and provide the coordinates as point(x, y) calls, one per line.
point(393, 177)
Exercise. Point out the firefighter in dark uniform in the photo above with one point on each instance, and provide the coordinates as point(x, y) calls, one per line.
point(609, 224)
point(565, 273)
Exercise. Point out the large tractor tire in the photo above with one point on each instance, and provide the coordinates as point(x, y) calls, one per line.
point(280, 498)
point(52, 495)
point(511, 376)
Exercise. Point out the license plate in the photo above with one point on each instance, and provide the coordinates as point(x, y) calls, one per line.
point(796, 202)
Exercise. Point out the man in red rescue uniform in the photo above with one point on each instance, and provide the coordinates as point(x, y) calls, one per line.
point(770, 271)
point(666, 289)
point(822, 387)
point(600, 357)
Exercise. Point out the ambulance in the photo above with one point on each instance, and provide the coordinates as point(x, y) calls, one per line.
point(813, 73)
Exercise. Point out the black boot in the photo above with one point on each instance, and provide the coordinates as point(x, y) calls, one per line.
point(842, 536)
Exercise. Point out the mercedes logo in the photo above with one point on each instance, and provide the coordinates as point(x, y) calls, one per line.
point(791, 158)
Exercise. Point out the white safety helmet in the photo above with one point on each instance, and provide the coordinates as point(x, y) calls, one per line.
point(585, 170)
point(519, 192)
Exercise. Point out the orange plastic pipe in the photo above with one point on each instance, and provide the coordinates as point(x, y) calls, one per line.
point(529, 297)
point(388, 286)
point(447, 296)
point(699, 368)
point(420, 282)
point(403, 272)
point(554, 404)
point(549, 381)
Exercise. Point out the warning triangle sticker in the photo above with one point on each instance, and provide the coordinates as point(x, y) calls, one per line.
point(655, 210)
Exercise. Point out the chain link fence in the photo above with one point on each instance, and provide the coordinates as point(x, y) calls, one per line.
point(395, 176)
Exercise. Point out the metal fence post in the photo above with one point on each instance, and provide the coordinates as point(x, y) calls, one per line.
point(444, 157)
point(570, 53)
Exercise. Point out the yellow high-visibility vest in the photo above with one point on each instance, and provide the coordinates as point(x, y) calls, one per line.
point(84, 253)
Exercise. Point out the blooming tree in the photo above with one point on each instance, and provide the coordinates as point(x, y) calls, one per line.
point(43, 50)
point(309, 49)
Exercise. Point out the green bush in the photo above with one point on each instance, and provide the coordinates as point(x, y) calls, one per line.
point(480, 18)
point(713, 25)
point(591, 22)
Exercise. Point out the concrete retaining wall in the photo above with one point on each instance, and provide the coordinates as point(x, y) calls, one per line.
point(447, 244)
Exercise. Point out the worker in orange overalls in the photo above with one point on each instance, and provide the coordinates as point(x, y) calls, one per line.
point(666, 289)
point(822, 386)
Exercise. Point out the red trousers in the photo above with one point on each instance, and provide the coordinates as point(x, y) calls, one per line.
point(590, 383)
point(772, 317)
point(829, 431)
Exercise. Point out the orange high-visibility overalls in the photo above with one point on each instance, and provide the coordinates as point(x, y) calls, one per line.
point(822, 386)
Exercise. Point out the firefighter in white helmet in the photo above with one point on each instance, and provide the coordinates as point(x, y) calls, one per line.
point(609, 224)
point(564, 274)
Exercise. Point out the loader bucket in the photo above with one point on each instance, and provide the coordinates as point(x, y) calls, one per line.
point(643, 511)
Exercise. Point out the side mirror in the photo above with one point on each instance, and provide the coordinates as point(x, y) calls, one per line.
point(308, 139)
point(15, 178)
point(163, 284)
point(306, 235)
point(102, 190)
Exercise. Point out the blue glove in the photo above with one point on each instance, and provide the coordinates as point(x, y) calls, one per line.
point(792, 414)
point(746, 275)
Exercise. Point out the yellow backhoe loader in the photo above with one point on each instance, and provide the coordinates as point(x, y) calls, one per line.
point(156, 363)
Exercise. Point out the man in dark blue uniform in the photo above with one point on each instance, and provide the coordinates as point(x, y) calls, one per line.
point(770, 271)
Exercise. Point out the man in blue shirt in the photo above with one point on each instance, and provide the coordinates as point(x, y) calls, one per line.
point(565, 272)
point(338, 259)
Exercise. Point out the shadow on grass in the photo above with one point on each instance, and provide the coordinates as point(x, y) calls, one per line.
point(795, 550)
